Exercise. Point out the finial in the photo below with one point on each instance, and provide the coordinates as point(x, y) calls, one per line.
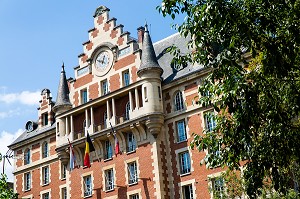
point(63, 67)
point(146, 26)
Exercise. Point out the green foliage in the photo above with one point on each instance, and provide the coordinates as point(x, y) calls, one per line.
point(5, 191)
point(252, 48)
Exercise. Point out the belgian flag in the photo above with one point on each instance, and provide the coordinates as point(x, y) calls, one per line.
point(89, 147)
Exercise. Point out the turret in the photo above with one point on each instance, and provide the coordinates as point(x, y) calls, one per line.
point(151, 72)
point(62, 103)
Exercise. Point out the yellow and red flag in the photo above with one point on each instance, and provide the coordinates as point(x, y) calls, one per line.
point(89, 147)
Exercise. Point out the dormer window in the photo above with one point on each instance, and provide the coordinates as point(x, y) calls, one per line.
point(45, 119)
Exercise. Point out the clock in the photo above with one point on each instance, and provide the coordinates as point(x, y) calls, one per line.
point(102, 61)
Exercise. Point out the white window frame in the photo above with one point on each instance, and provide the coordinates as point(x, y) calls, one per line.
point(27, 156)
point(45, 149)
point(185, 162)
point(178, 101)
point(209, 121)
point(109, 179)
point(179, 130)
point(132, 174)
point(131, 142)
point(45, 194)
point(104, 87)
point(87, 186)
point(27, 181)
point(108, 151)
point(126, 78)
point(64, 193)
point(84, 98)
point(45, 175)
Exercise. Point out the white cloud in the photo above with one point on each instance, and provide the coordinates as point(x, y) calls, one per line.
point(10, 113)
point(25, 97)
point(6, 139)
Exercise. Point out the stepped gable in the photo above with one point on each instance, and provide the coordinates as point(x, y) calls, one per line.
point(109, 30)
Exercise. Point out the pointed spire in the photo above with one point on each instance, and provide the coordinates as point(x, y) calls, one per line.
point(62, 99)
point(149, 60)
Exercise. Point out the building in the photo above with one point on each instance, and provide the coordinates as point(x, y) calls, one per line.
point(131, 86)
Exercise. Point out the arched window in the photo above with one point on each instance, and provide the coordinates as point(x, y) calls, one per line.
point(45, 150)
point(178, 101)
point(127, 111)
point(27, 157)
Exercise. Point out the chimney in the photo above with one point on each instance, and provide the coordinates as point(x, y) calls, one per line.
point(140, 32)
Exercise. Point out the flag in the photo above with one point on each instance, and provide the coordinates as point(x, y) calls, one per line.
point(117, 146)
point(72, 157)
point(89, 147)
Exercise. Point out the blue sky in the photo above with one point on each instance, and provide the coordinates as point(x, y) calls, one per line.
point(37, 36)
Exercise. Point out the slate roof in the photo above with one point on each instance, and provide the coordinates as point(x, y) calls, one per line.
point(27, 135)
point(62, 98)
point(170, 73)
point(148, 59)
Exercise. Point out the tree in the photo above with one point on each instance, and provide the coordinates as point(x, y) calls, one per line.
point(5, 191)
point(252, 48)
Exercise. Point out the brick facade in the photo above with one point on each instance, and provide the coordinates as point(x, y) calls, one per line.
point(144, 108)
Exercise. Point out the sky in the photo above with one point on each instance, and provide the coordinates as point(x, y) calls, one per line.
point(37, 36)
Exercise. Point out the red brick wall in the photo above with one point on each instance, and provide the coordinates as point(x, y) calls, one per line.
point(130, 59)
point(83, 80)
point(114, 82)
point(94, 91)
point(145, 177)
point(133, 74)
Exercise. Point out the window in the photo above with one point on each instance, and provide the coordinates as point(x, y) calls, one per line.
point(159, 93)
point(27, 157)
point(27, 181)
point(63, 171)
point(131, 142)
point(84, 96)
point(46, 195)
point(105, 119)
point(127, 111)
point(181, 134)
point(210, 122)
point(185, 162)
point(187, 192)
point(178, 101)
point(218, 187)
point(126, 78)
point(132, 173)
point(45, 151)
point(108, 150)
point(45, 119)
point(45, 174)
point(87, 186)
point(134, 196)
point(109, 179)
point(64, 194)
point(104, 87)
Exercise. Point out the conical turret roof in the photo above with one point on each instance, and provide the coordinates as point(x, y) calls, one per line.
point(149, 60)
point(62, 98)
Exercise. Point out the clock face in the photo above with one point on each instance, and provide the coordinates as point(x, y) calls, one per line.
point(102, 61)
